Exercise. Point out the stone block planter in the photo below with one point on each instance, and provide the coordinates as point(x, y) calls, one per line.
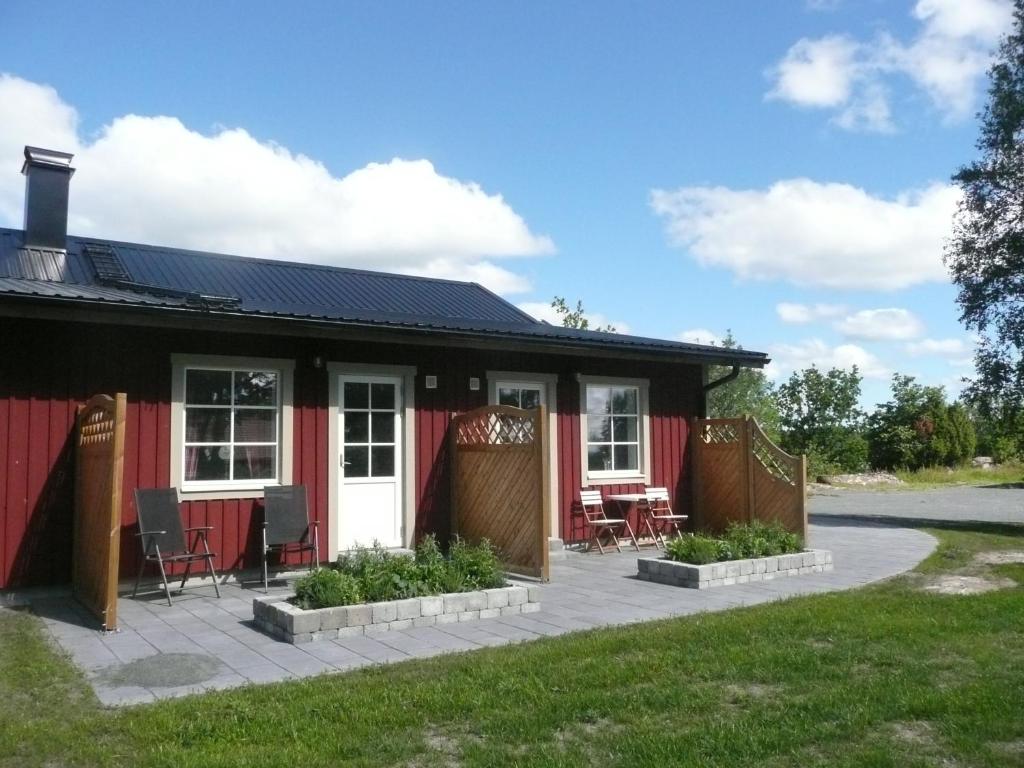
point(723, 574)
point(276, 616)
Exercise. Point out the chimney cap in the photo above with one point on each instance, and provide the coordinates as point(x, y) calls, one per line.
point(49, 158)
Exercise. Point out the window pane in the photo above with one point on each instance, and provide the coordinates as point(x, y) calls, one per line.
point(383, 427)
point(599, 400)
point(624, 400)
point(207, 387)
point(205, 463)
point(624, 429)
point(382, 397)
point(207, 425)
point(356, 461)
point(357, 427)
point(255, 425)
point(599, 457)
point(383, 461)
point(508, 396)
point(626, 457)
point(255, 462)
point(599, 429)
point(255, 388)
point(530, 398)
point(357, 395)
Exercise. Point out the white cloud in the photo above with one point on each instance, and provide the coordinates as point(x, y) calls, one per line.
point(889, 324)
point(544, 312)
point(945, 59)
point(799, 314)
point(955, 350)
point(153, 179)
point(811, 233)
point(816, 73)
point(700, 336)
point(787, 358)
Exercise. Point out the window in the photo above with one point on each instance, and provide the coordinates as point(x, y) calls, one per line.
point(614, 425)
point(230, 424)
point(519, 395)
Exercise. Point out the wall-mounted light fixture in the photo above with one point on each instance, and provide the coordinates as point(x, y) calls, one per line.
point(430, 382)
point(318, 361)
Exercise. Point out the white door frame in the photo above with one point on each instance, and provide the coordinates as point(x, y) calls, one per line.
point(549, 386)
point(407, 460)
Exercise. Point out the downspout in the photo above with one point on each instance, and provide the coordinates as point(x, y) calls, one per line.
point(731, 375)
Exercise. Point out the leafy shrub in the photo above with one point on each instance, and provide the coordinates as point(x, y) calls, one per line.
point(741, 541)
point(1005, 449)
point(326, 588)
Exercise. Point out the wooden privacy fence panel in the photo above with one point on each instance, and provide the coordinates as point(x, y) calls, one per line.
point(99, 466)
point(500, 484)
point(741, 475)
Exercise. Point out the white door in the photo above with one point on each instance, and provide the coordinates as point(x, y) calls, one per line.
point(370, 496)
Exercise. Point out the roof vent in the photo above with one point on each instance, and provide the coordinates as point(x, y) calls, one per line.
point(47, 178)
point(106, 263)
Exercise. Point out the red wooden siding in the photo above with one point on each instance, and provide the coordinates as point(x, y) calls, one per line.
point(47, 368)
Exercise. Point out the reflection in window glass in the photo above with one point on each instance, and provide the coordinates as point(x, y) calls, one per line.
point(613, 428)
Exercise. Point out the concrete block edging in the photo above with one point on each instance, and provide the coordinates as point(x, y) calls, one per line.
point(664, 571)
point(276, 616)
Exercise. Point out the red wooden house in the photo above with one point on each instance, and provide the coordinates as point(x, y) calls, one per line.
point(242, 373)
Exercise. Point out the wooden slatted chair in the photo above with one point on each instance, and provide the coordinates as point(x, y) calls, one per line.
point(164, 539)
point(656, 510)
point(599, 522)
point(287, 527)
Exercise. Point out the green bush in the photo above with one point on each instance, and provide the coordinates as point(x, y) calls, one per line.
point(326, 588)
point(741, 541)
point(374, 574)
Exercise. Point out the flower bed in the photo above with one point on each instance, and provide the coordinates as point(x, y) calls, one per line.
point(722, 574)
point(277, 616)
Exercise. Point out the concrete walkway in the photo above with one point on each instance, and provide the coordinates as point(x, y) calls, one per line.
point(203, 643)
point(988, 504)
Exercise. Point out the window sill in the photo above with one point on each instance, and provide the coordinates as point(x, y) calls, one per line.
point(636, 479)
point(212, 494)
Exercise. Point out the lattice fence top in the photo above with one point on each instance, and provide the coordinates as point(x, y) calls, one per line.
point(497, 425)
point(719, 433)
point(767, 455)
point(96, 423)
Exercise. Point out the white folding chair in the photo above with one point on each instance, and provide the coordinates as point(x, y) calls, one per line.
point(601, 524)
point(656, 510)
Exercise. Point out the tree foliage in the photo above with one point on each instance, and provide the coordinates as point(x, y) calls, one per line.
point(749, 393)
point(986, 252)
point(576, 318)
point(917, 428)
point(819, 416)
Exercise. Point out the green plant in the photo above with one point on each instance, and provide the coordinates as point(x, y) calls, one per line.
point(382, 575)
point(694, 548)
point(326, 588)
point(740, 542)
point(477, 565)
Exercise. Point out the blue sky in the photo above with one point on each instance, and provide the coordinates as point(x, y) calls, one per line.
point(780, 169)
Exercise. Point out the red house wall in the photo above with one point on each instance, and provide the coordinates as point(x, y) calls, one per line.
point(47, 368)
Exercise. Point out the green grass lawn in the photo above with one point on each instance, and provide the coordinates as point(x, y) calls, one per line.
point(937, 477)
point(888, 675)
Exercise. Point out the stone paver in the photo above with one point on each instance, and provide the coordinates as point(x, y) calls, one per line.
point(987, 504)
point(586, 591)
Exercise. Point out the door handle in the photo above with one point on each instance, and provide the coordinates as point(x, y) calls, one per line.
point(342, 462)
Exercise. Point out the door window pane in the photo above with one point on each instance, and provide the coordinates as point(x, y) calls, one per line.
point(207, 463)
point(357, 461)
point(207, 387)
point(255, 425)
point(357, 427)
point(382, 397)
point(383, 427)
point(207, 425)
point(383, 460)
point(357, 395)
point(255, 462)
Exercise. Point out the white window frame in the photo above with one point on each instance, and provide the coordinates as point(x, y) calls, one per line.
point(230, 489)
point(610, 477)
point(548, 382)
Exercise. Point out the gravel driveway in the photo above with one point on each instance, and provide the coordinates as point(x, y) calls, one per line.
point(992, 504)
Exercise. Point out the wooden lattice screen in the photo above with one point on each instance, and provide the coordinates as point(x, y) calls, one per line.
point(500, 484)
point(99, 464)
point(739, 474)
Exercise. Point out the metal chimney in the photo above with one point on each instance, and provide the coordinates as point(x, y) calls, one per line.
point(47, 178)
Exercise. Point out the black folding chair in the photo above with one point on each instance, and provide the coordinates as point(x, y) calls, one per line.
point(287, 527)
point(164, 539)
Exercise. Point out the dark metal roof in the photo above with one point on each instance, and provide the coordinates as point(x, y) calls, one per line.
point(112, 273)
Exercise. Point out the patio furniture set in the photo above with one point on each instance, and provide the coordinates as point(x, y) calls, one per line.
point(653, 506)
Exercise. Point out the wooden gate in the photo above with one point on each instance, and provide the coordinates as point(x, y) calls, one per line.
point(500, 484)
point(99, 464)
point(741, 475)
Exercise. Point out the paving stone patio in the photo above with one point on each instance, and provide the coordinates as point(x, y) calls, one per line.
point(202, 643)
